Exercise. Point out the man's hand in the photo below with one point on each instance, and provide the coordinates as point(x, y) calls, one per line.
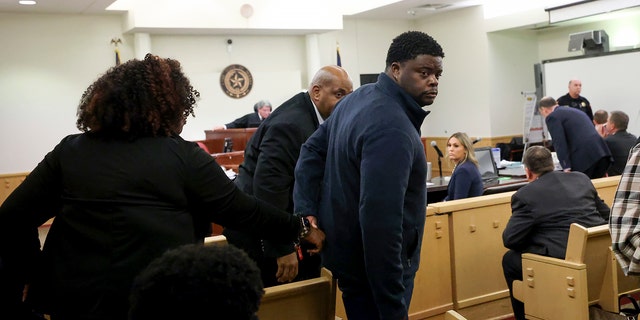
point(287, 267)
point(313, 221)
point(315, 238)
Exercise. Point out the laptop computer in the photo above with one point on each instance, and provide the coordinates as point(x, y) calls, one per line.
point(487, 166)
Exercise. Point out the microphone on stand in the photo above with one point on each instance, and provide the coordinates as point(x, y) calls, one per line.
point(476, 141)
point(435, 146)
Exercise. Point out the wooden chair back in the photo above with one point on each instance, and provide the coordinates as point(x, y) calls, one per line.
point(217, 239)
point(312, 299)
point(565, 288)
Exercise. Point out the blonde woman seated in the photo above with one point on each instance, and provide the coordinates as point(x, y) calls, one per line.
point(466, 181)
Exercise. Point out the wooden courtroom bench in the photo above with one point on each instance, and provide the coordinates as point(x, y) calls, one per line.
point(214, 139)
point(565, 288)
point(230, 160)
point(476, 249)
point(312, 299)
point(9, 182)
point(453, 315)
point(476, 226)
point(432, 293)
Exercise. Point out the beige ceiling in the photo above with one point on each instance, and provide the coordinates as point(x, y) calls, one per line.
point(406, 9)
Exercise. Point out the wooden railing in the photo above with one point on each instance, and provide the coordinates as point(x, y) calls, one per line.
point(461, 250)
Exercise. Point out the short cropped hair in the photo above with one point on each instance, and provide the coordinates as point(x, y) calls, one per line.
point(410, 44)
point(538, 159)
point(194, 280)
point(619, 119)
point(547, 102)
point(260, 104)
point(600, 116)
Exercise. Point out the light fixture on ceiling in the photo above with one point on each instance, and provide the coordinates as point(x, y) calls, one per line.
point(27, 2)
point(583, 9)
point(246, 10)
point(427, 8)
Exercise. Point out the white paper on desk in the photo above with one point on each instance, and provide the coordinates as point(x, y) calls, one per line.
point(430, 184)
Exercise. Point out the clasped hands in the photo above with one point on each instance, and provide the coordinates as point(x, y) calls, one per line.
point(288, 264)
point(315, 236)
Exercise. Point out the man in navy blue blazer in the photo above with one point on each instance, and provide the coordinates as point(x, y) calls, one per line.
point(577, 143)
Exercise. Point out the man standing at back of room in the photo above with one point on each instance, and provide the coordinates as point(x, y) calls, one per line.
point(573, 98)
point(362, 174)
point(267, 171)
point(575, 139)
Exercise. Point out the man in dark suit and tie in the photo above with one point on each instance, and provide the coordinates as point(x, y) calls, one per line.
point(542, 212)
point(268, 170)
point(575, 139)
point(619, 141)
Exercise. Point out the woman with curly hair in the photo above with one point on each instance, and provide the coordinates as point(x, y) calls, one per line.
point(122, 192)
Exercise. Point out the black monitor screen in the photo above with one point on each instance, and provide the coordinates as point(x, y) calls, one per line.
point(486, 163)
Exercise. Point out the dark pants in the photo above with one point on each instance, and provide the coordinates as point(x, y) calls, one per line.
point(358, 299)
point(598, 169)
point(512, 268)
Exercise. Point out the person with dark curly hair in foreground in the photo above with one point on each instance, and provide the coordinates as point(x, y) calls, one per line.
point(122, 192)
point(195, 280)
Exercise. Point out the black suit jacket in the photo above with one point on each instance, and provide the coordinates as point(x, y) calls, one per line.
point(620, 143)
point(269, 162)
point(575, 139)
point(543, 210)
point(251, 120)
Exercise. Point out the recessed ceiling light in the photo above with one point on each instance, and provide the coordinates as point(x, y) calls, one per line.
point(27, 2)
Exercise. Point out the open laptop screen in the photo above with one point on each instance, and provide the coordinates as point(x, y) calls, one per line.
point(486, 163)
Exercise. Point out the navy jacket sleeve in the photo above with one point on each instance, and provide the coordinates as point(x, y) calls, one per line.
point(309, 172)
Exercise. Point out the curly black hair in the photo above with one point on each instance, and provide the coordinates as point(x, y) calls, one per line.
point(194, 280)
point(410, 44)
point(139, 98)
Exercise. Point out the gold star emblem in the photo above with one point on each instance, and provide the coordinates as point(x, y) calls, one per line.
point(236, 81)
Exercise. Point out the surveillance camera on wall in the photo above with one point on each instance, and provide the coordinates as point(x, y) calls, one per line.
point(229, 41)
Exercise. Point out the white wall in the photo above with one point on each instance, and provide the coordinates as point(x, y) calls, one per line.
point(276, 65)
point(463, 97)
point(47, 62)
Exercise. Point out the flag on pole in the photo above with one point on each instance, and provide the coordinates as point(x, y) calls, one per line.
point(338, 60)
point(116, 41)
point(117, 57)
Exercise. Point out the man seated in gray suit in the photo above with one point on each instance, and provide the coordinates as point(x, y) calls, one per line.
point(619, 141)
point(542, 212)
